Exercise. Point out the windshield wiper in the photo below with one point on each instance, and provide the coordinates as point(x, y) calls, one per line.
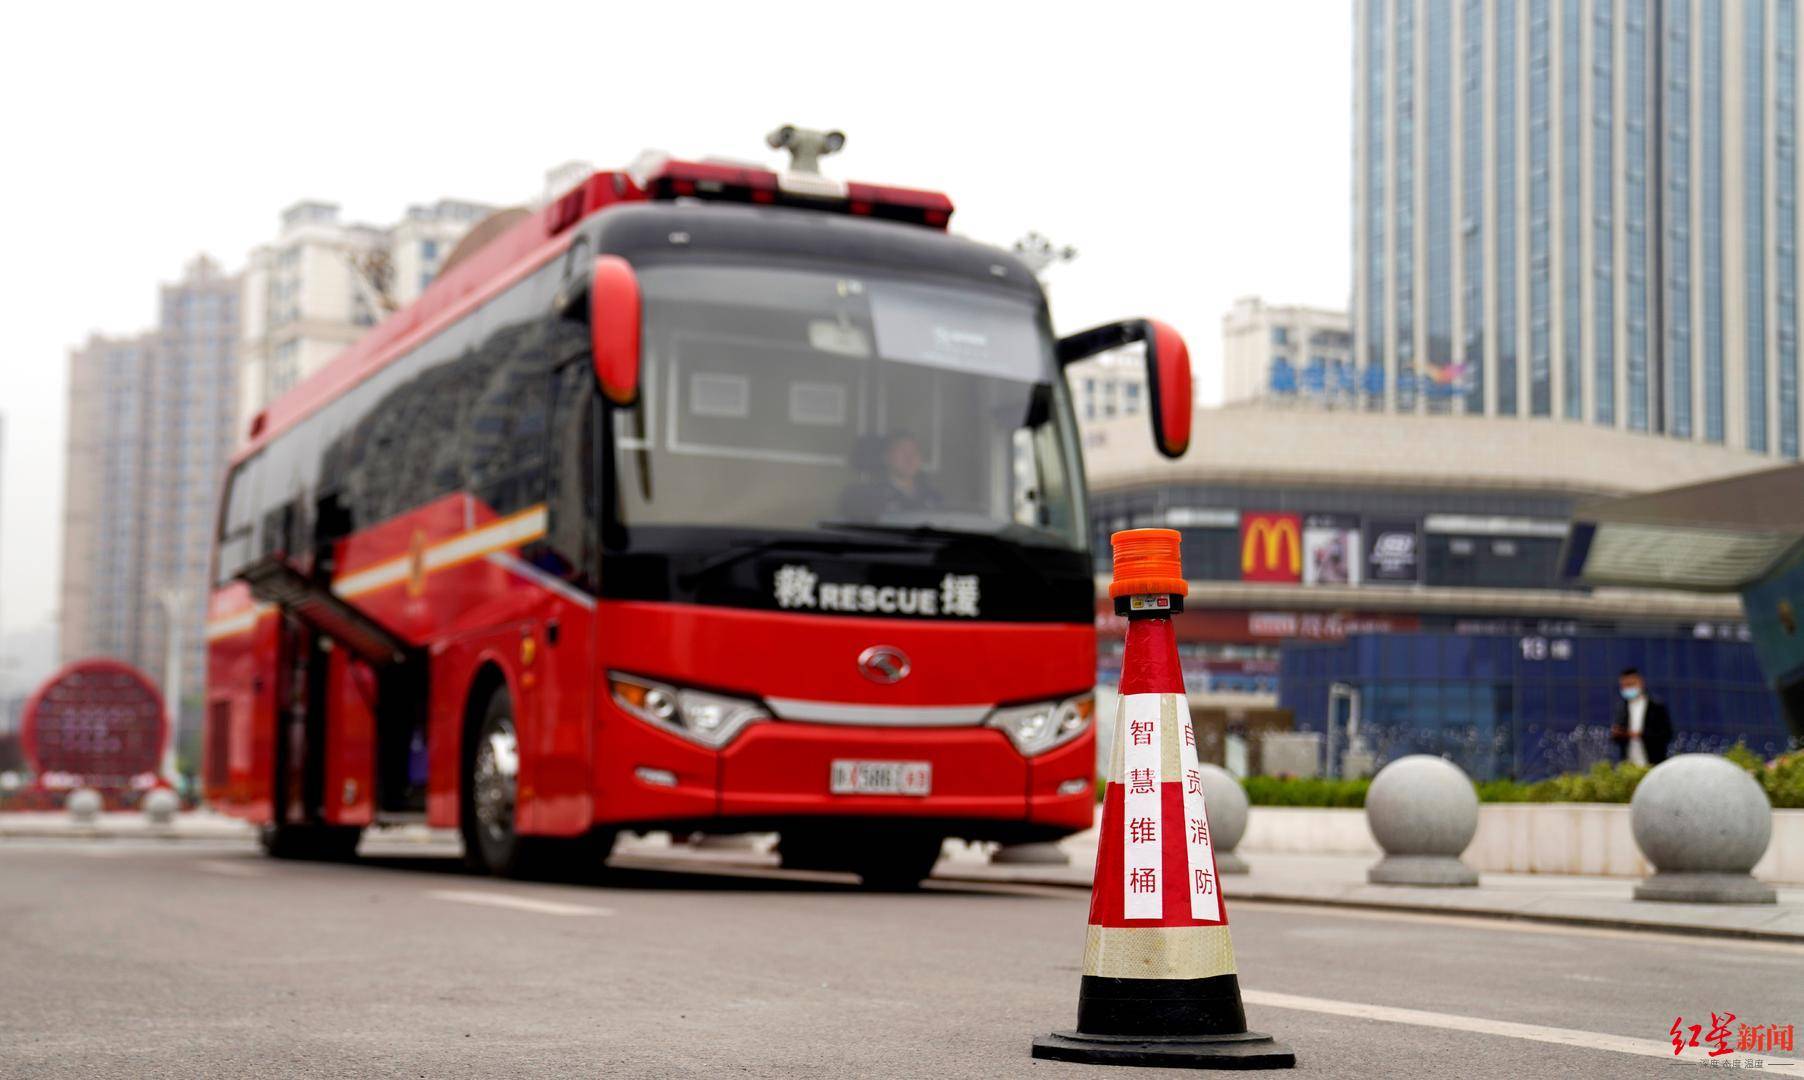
point(996, 541)
point(826, 545)
point(1013, 533)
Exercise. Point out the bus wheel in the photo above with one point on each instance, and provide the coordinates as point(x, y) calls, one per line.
point(490, 798)
point(325, 843)
point(806, 850)
point(491, 790)
point(899, 864)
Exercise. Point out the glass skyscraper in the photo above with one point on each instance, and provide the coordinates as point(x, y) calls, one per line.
point(1583, 210)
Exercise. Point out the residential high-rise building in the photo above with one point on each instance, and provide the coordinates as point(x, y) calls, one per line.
point(1583, 210)
point(103, 597)
point(150, 429)
point(1286, 350)
point(189, 437)
point(420, 241)
point(322, 283)
point(306, 297)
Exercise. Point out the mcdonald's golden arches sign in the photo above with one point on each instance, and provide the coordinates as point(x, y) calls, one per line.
point(1271, 547)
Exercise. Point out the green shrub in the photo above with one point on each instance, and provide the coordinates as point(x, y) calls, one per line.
point(1304, 791)
point(1505, 791)
point(1605, 783)
point(1782, 779)
point(1747, 759)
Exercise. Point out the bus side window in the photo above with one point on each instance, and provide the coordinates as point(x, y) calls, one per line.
point(508, 432)
point(235, 522)
point(572, 499)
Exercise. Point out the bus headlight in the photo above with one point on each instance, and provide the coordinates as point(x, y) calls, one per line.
point(707, 718)
point(1037, 728)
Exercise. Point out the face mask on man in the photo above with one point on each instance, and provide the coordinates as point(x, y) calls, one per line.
point(1630, 693)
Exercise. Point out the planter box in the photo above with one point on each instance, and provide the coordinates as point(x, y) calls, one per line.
point(1308, 830)
point(1515, 838)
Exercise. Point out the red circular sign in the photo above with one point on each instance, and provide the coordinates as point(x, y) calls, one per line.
point(100, 720)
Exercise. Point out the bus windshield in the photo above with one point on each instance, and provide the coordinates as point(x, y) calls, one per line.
point(784, 399)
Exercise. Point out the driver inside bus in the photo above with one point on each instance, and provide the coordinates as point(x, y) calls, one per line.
point(899, 487)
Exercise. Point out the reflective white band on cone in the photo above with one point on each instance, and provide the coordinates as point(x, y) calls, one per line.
point(1158, 952)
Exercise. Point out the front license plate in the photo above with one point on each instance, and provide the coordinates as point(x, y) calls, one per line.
point(882, 778)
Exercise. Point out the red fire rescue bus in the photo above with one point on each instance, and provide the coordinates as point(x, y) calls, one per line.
point(705, 498)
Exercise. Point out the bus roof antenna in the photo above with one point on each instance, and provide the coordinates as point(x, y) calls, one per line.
point(806, 146)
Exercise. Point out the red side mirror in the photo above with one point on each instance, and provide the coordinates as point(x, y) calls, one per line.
point(1168, 384)
point(1167, 373)
point(614, 320)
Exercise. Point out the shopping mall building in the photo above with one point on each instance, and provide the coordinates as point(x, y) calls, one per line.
point(1402, 574)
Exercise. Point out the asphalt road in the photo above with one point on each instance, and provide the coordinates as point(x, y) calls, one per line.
point(183, 960)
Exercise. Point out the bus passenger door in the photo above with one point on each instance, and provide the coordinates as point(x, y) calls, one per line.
point(300, 724)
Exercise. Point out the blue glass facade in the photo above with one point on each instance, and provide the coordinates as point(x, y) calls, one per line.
point(1540, 209)
point(1528, 706)
point(1404, 203)
point(1634, 210)
point(1710, 134)
point(1437, 113)
point(1753, 70)
point(1603, 253)
point(1676, 167)
point(1572, 176)
point(1578, 196)
point(1472, 200)
point(1506, 209)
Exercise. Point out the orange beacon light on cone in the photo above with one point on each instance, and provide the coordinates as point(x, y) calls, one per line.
point(1159, 985)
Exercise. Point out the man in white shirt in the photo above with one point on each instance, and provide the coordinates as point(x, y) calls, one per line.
point(1642, 727)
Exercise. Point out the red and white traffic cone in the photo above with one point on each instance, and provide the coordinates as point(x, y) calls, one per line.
point(1159, 984)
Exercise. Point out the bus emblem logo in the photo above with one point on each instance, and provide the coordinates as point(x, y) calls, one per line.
point(883, 664)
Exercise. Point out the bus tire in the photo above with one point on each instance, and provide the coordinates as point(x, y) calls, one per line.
point(899, 865)
point(318, 843)
point(810, 850)
point(488, 815)
point(491, 777)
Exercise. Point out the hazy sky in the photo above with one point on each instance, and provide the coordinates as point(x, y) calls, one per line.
point(1193, 152)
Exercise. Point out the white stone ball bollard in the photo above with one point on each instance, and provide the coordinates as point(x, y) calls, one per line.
point(84, 805)
point(1423, 811)
point(1225, 801)
point(1703, 822)
point(160, 805)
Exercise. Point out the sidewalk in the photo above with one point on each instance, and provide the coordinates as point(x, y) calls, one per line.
point(1340, 880)
point(122, 825)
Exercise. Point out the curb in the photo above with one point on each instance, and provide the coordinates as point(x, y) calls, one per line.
point(175, 835)
point(1409, 908)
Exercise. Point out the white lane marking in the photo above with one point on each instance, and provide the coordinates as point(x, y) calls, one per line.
point(1529, 926)
point(517, 903)
point(230, 869)
point(1509, 1029)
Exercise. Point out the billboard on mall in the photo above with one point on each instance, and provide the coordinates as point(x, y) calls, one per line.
point(1331, 550)
point(1393, 550)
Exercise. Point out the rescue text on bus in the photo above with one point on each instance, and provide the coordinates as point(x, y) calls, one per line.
point(705, 498)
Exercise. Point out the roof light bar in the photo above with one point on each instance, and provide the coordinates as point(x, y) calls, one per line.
point(658, 178)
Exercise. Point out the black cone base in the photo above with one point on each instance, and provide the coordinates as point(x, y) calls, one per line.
point(1242, 1050)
